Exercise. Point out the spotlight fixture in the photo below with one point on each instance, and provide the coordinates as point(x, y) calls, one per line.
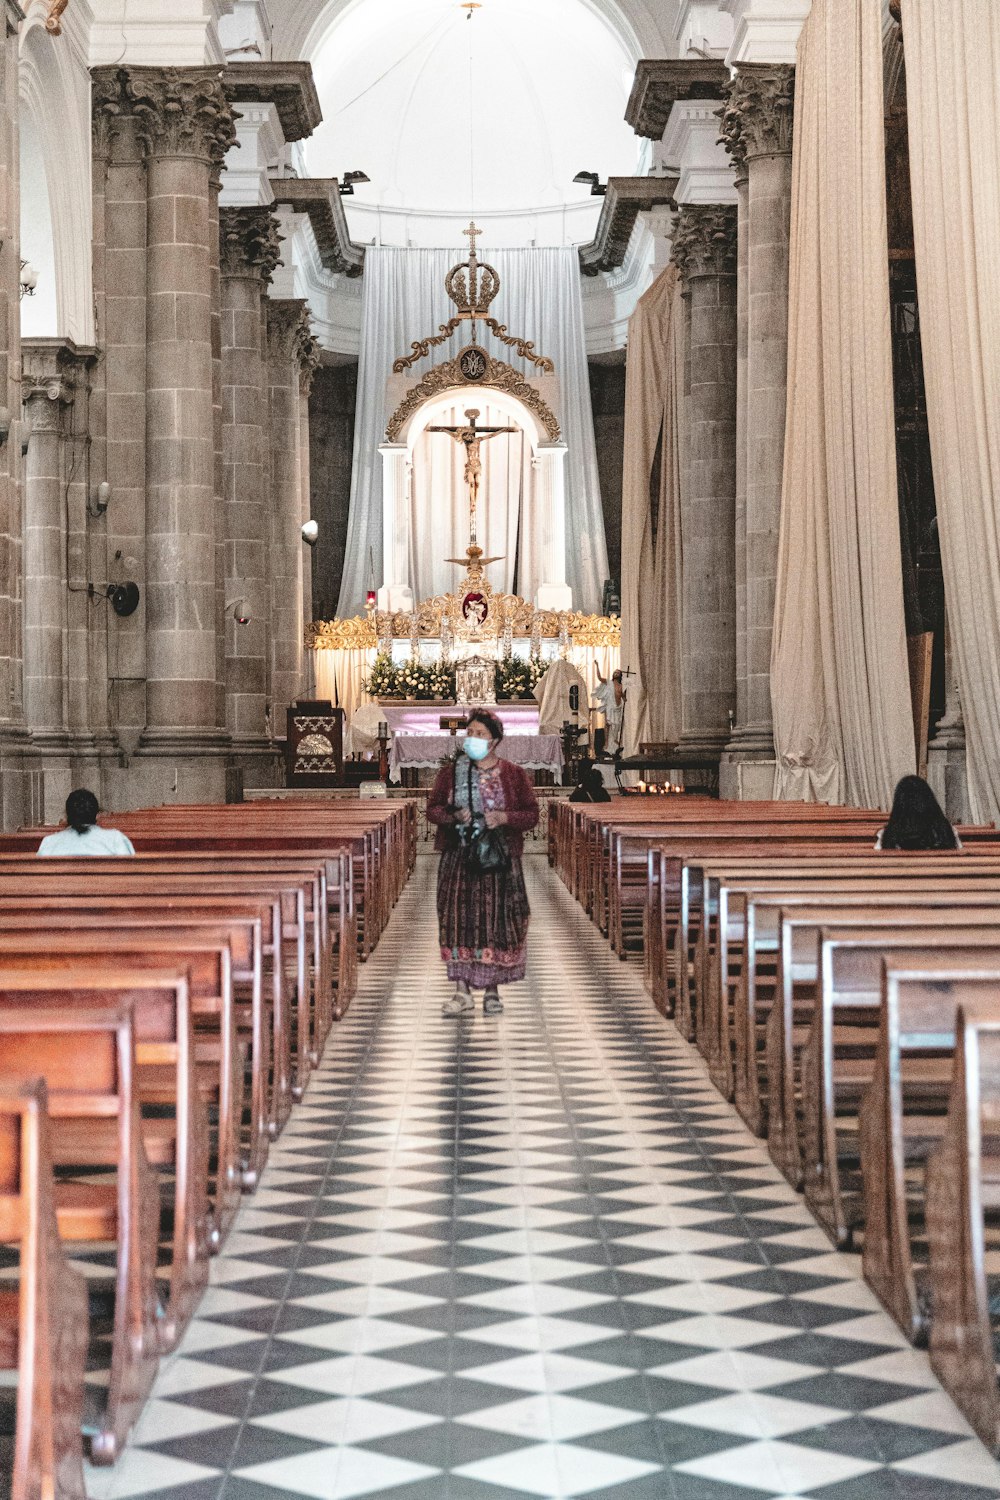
point(310, 533)
point(100, 499)
point(348, 181)
point(28, 279)
point(597, 188)
point(241, 610)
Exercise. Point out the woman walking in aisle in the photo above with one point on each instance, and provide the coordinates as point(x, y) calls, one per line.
point(482, 807)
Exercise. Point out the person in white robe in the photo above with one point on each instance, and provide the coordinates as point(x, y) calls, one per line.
point(611, 699)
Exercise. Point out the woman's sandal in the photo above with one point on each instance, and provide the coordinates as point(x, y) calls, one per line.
point(461, 1003)
point(492, 1004)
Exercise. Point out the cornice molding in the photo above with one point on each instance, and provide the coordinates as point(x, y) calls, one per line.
point(289, 86)
point(661, 82)
point(319, 198)
point(625, 200)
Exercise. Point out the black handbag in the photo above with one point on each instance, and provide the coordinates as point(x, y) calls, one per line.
point(485, 849)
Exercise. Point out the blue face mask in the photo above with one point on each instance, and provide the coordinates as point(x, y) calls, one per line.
point(476, 749)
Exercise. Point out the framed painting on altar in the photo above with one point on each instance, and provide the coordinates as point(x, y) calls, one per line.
point(475, 609)
point(475, 681)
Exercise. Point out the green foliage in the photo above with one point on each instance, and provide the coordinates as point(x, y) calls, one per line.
point(517, 679)
point(410, 679)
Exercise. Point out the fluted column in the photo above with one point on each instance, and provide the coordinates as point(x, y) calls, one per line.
point(250, 251)
point(704, 249)
point(186, 128)
point(289, 346)
point(757, 127)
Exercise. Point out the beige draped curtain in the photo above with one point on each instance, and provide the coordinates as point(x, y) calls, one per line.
point(651, 566)
point(953, 94)
point(839, 678)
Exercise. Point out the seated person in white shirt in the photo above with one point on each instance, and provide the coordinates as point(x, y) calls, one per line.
point(84, 836)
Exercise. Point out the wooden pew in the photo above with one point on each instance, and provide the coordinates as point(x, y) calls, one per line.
point(963, 1212)
point(903, 1113)
point(242, 931)
point(43, 1320)
point(86, 1056)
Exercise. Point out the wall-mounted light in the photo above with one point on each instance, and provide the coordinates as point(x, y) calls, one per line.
point(123, 597)
point(240, 609)
point(310, 533)
point(100, 499)
point(28, 279)
point(597, 188)
point(348, 181)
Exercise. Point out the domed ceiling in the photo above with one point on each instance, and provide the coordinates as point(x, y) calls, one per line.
point(454, 109)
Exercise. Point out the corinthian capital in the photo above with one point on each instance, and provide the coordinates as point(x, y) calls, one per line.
point(249, 242)
point(760, 109)
point(704, 243)
point(287, 326)
point(180, 111)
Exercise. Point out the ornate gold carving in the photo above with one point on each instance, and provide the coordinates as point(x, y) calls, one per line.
point(422, 347)
point(362, 633)
point(342, 635)
point(499, 376)
point(524, 347)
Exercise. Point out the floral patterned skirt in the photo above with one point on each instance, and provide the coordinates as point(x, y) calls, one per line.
point(483, 922)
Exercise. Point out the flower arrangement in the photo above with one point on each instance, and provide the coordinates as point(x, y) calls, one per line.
point(517, 679)
point(411, 679)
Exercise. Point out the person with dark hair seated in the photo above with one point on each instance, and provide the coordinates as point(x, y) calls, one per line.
point(591, 788)
point(83, 835)
point(916, 820)
point(482, 807)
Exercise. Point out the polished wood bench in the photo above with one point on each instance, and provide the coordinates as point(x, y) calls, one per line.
point(86, 1057)
point(43, 1318)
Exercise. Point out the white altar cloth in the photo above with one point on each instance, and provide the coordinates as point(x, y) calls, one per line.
point(533, 752)
point(425, 718)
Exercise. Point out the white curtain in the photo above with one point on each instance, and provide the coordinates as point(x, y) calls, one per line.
point(651, 563)
point(540, 299)
point(839, 679)
point(953, 92)
point(439, 507)
point(340, 677)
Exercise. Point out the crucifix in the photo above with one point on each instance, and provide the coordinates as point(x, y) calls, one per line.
point(472, 439)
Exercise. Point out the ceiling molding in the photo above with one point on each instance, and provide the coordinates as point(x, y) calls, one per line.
point(319, 198)
point(625, 200)
point(289, 86)
point(661, 82)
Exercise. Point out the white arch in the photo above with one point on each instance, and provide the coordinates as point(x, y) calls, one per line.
point(299, 32)
point(54, 88)
point(471, 397)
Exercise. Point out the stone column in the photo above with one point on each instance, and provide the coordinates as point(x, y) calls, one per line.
point(288, 342)
point(186, 127)
point(704, 248)
point(17, 788)
point(250, 252)
point(947, 767)
point(757, 124)
point(309, 362)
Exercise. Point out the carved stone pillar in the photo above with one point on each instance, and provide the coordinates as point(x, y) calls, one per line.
point(57, 667)
point(186, 127)
point(704, 249)
point(757, 126)
point(289, 346)
point(307, 370)
point(947, 767)
point(250, 251)
point(16, 790)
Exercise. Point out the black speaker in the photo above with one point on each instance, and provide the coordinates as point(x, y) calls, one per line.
point(124, 598)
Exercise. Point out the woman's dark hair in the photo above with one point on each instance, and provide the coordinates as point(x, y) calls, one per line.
point(81, 810)
point(916, 820)
point(489, 721)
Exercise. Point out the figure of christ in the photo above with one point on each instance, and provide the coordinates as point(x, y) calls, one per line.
point(472, 438)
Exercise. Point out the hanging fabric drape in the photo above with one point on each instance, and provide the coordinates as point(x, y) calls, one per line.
point(340, 678)
point(540, 299)
point(953, 94)
point(651, 553)
point(439, 506)
point(839, 679)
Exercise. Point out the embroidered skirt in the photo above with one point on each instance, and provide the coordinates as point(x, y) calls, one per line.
point(483, 922)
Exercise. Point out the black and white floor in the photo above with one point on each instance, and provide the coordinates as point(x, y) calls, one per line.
point(534, 1256)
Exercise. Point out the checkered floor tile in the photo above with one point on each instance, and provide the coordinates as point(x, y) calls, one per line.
point(534, 1255)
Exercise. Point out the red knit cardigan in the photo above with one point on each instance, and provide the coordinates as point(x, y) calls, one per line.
point(520, 805)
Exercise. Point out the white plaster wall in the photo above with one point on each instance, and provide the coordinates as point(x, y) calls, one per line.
point(56, 203)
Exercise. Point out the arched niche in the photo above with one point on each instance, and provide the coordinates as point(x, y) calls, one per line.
point(56, 226)
point(547, 498)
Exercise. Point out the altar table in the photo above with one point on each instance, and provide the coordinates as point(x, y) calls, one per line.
point(425, 718)
point(533, 752)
